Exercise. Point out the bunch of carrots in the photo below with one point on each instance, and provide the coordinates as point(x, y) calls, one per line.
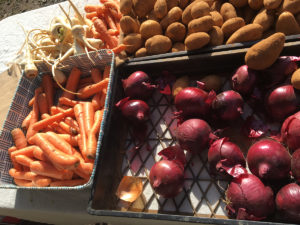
point(59, 147)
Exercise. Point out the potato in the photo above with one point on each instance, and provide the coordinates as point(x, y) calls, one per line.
point(160, 9)
point(216, 6)
point(216, 36)
point(264, 53)
point(217, 18)
point(196, 40)
point(141, 52)
point(180, 83)
point(178, 47)
point(186, 14)
point(203, 24)
point(287, 24)
point(200, 9)
point(256, 4)
point(248, 14)
point(212, 82)
point(272, 4)
point(173, 15)
point(134, 41)
point(143, 7)
point(227, 11)
point(125, 6)
point(232, 25)
point(239, 3)
point(176, 32)
point(296, 79)
point(297, 17)
point(152, 16)
point(292, 6)
point(250, 32)
point(264, 18)
point(129, 25)
point(172, 3)
point(158, 44)
point(150, 28)
point(183, 4)
point(209, 2)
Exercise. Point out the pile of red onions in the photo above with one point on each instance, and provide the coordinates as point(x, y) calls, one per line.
point(290, 132)
point(244, 80)
point(295, 165)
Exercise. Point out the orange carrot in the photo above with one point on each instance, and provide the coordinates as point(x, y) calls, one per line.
point(98, 119)
point(90, 90)
point(56, 156)
point(88, 114)
point(23, 160)
point(39, 154)
point(31, 101)
point(116, 15)
point(119, 48)
point(96, 75)
point(67, 128)
point(28, 151)
point(86, 168)
point(67, 102)
point(42, 103)
point(56, 109)
point(68, 183)
point(35, 115)
point(91, 15)
point(12, 149)
point(106, 72)
point(109, 20)
point(113, 32)
point(19, 138)
point(72, 83)
point(81, 174)
point(59, 143)
point(41, 181)
point(48, 87)
point(46, 169)
point(96, 101)
point(72, 140)
point(48, 121)
point(71, 122)
point(78, 110)
point(112, 5)
point(21, 174)
point(102, 30)
point(23, 183)
point(26, 121)
point(91, 8)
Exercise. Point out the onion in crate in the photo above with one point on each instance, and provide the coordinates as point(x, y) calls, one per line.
point(295, 165)
point(290, 132)
point(244, 80)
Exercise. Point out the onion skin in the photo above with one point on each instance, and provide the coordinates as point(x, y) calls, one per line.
point(290, 132)
point(243, 80)
point(269, 160)
point(167, 178)
point(193, 135)
point(282, 102)
point(223, 151)
point(295, 165)
point(228, 105)
point(137, 86)
point(288, 202)
point(249, 199)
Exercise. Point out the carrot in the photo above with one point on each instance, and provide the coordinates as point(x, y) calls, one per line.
point(35, 115)
point(86, 167)
point(71, 122)
point(88, 114)
point(67, 102)
point(72, 140)
point(92, 8)
point(26, 121)
point(42, 103)
point(72, 83)
point(48, 87)
point(21, 175)
point(90, 90)
point(106, 72)
point(102, 30)
point(56, 109)
point(68, 183)
point(48, 121)
point(46, 169)
point(109, 20)
point(91, 15)
point(112, 5)
point(19, 138)
point(41, 181)
point(119, 48)
point(23, 160)
point(39, 154)
point(31, 101)
point(113, 32)
point(84, 85)
point(56, 156)
point(27, 151)
point(81, 174)
point(78, 110)
point(98, 119)
point(86, 80)
point(53, 127)
point(23, 183)
point(116, 15)
point(96, 101)
point(59, 143)
point(67, 128)
point(96, 75)
point(12, 149)
point(26, 169)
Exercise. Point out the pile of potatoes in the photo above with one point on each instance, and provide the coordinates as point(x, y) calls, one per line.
point(159, 26)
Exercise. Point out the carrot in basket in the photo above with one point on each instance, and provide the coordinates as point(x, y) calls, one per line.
point(48, 87)
point(96, 75)
point(106, 72)
point(39, 154)
point(92, 8)
point(113, 32)
point(67, 101)
point(21, 174)
point(19, 138)
point(12, 149)
point(68, 183)
point(28, 151)
point(90, 90)
point(88, 114)
point(98, 120)
point(67, 128)
point(119, 48)
point(43, 103)
point(23, 160)
point(91, 15)
point(57, 109)
point(46, 169)
point(102, 30)
point(116, 15)
point(26, 121)
point(81, 174)
point(112, 5)
point(23, 183)
point(72, 83)
point(59, 143)
point(78, 110)
point(96, 101)
point(35, 115)
point(31, 101)
point(71, 122)
point(109, 20)
point(72, 140)
point(41, 181)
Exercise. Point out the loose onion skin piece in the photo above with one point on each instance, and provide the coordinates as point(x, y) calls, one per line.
point(295, 165)
point(288, 202)
point(269, 160)
point(290, 132)
point(244, 79)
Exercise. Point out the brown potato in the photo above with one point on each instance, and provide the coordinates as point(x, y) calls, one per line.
point(143, 7)
point(264, 53)
point(272, 4)
point(217, 18)
point(152, 16)
point(129, 25)
point(203, 24)
point(239, 3)
point(227, 11)
point(178, 47)
point(296, 79)
point(125, 6)
point(216, 36)
point(250, 32)
point(292, 6)
point(287, 24)
point(248, 14)
point(196, 40)
point(200, 9)
point(172, 3)
point(158, 44)
point(150, 28)
point(212, 82)
point(176, 32)
point(183, 4)
point(180, 83)
point(173, 15)
point(256, 4)
point(232, 25)
point(186, 14)
point(265, 18)
point(134, 42)
point(216, 6)
point(160, 8)
point(209, 2)
point(141, 52)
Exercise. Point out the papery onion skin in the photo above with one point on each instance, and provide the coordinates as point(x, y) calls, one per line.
point(243, 80)
point(288, 202)
point(290, 132)
point(295, 165)
point(167, 178)
point(193, 135)
point(269, 160)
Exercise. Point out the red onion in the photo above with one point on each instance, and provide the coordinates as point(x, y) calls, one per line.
point(248, 198)
point(269, 160)
point(228, 105)
point(136, 111)
point(222, 152)
point(254, 127)
point(295, 165)
point(243, 80)
point(282, 102)
point(138, 86)
point(288, 202)
point(290, 131)
point(193, 135)
point(174, 153)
